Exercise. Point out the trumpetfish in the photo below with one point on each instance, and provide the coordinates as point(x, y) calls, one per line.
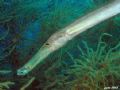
point(61, 37)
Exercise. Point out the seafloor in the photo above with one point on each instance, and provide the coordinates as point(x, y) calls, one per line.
point(90, 61)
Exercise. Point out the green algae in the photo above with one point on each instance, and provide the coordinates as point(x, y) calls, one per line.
point(90, 70)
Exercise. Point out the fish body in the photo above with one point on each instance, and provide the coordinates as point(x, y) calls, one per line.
point(60, 38)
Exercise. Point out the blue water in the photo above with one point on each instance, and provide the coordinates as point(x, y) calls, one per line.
point(34, 21)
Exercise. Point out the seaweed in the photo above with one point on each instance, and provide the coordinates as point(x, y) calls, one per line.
point(92, 70)
point(5, 85)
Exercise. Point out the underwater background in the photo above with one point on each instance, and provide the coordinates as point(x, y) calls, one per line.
point(90, 61)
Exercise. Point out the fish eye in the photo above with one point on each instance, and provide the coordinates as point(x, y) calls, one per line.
point(22, 72)
point(47, 44)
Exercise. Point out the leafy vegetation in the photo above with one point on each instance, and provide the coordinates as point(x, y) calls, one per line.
point(92, 70)
point(5, 85)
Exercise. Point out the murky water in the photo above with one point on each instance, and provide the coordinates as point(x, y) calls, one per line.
point(90, 61)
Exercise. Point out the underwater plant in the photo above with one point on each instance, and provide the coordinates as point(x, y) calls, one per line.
point(5, 85)
point(27, 84)
point(91, 70)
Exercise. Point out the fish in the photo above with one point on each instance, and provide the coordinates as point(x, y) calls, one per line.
point(63, 36)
